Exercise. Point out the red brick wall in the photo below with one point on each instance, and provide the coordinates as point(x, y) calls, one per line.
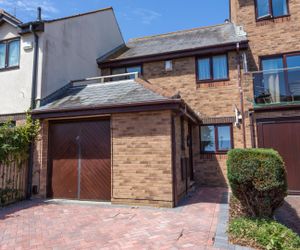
point(40, 161)
point(142, 158)
point(212, 101)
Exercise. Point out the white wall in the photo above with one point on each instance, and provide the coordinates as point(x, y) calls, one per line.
point(15, 85)
point(71, 46)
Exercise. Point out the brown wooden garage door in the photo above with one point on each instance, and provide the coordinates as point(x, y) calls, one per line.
point(80, 160)
point(284, 136)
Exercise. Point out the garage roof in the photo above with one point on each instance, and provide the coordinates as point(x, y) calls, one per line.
point(99, 94)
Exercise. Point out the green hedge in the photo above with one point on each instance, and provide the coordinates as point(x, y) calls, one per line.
point(262, 234)
point(258, 180)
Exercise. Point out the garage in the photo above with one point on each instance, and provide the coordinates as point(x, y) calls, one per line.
point(284, 136)
point(80, 160)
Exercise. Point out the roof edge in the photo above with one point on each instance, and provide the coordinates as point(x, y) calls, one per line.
point(174, 104)
point(175, 54)
point(106, 109)
point(111, 52)
point(79, 15)
point(9, 18)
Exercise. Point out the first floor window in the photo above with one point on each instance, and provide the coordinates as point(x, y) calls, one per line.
point(271, 8)
point(216, 138)
point(212, 68)
point(129, 69)
point(9, 53)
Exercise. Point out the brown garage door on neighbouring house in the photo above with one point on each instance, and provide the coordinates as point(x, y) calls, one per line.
point(80, 160)
point(284, 136)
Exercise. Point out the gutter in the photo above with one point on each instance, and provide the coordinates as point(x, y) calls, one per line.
point(170, 104)
point(241, 93)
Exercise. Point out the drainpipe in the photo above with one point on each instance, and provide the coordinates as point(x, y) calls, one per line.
point(253, 142)
point(241, 93)
point(33, 99)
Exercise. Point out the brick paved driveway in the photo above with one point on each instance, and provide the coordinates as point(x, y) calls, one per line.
point(40, 225)
point(289, 213)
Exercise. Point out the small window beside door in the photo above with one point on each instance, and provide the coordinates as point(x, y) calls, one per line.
point(268, 9)
point(212, 68)
point(216, 138)
point(9, 54)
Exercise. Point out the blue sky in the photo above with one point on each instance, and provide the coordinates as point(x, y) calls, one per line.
point(136, 17)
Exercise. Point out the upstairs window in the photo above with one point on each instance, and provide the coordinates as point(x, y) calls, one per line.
point(266, 9)
point(123, 70)
point(216, 138)
point(9, 54)
point(213, 68)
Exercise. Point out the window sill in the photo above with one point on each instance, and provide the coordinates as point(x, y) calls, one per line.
point(212, 81)
point(213, 84)
point(272, 19)
point(10, 68)
point(214, 153)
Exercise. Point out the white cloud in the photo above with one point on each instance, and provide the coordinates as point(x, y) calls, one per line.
point(147, 16)
point(29, 7)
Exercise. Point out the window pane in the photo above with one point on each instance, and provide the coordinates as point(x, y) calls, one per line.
point(117, 71)
point(2, 55)
point(224, 138)
point(208, 139)
point(263, 8)
point(204, 69)
point(220, 67)
point(273, 79)
point(279, 8)
point(14, 53)
point(293, 65)
point(134, 69)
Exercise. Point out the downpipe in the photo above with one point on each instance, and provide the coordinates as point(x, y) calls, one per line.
point(32, 106)
point(241, 93)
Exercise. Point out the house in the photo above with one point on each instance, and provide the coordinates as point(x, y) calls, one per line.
point(39, 57)
point(147, 125)
point(273, 82)
point(166, 109)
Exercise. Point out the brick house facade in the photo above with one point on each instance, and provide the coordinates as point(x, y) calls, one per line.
point(215, 101)
point(159, 152)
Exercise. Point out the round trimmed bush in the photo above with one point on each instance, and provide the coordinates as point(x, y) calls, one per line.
point(258, 180)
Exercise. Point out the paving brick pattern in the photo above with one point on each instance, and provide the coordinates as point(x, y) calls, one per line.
point(41, 225)
point(289, 213)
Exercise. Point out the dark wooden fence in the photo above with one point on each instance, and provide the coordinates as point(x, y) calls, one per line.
point(13, 183)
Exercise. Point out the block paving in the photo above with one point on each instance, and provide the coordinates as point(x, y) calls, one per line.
point(47, 225)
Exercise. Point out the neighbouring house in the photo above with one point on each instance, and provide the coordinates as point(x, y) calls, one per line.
point(166, 109)
point(39, 57)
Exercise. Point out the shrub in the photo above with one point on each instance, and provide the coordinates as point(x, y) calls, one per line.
point(262, 234)
point(258, 180)
point(15, 141)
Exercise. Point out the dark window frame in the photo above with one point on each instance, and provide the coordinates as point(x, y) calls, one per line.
point(283, 56)
point(217, 151)
point(210, 56)
point(6, 43)
point(128, 66)
point(271, 16)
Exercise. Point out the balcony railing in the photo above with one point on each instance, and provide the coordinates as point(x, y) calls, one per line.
point(276, 86)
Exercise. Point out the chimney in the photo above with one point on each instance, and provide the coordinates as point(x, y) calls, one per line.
point(39, 14)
